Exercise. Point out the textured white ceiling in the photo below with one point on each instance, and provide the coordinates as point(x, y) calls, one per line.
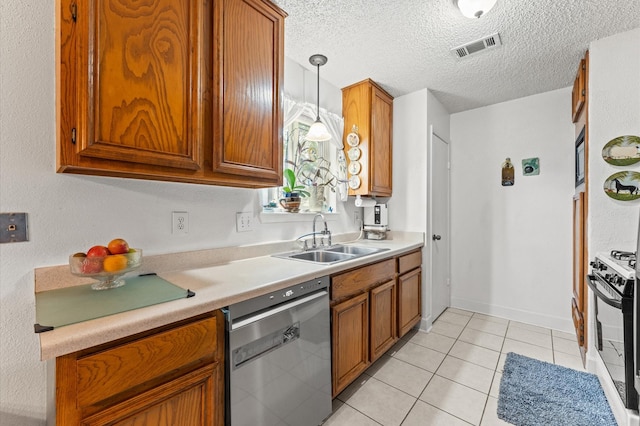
point(404, 44)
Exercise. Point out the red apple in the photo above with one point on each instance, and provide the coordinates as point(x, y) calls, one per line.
point(91, 265)
point(98, 251)
point(118, 246)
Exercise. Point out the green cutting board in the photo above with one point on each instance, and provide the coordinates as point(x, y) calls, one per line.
point(57, 308)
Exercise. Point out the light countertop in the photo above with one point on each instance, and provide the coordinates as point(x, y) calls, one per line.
point(219, 277)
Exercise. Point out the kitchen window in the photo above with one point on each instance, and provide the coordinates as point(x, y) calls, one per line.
point(319, 166)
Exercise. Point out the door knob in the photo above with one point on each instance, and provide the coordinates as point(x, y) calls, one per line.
point(436, 237)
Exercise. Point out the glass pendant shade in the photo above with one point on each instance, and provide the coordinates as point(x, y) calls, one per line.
point(475, 8)
point(318, 132)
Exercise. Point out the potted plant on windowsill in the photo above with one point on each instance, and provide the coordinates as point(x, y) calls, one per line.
point(292, 192)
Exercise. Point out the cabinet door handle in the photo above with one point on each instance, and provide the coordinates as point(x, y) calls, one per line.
point(436, 237)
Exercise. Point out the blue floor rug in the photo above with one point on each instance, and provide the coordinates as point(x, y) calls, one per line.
point(534, 393)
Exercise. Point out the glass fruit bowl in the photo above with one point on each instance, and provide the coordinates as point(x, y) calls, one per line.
point(108, 270)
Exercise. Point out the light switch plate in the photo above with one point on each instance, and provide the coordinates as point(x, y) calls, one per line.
point(244, 221)
point(13, 228)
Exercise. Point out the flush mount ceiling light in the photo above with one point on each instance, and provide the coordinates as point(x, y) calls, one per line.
point(318, 131)
point(474, 8)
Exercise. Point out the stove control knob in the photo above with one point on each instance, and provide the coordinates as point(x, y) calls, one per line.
point(602, 266)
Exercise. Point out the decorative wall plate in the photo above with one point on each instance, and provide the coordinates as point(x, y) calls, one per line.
point(353, 139)
point(354, 182)
point(623, 186)
point(622, 151)
point(354, 154)
point(354, 167)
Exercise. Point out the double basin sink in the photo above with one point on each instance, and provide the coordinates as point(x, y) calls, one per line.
point(332, 254)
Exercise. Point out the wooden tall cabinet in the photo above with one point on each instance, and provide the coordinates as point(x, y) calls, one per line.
point(370, 108)
point(171, 376)
point(175, 90)
point(579, 301)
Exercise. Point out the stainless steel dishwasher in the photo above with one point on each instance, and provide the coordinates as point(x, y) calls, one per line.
point(278, 361)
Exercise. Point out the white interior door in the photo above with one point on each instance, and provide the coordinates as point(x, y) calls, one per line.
point(439, 224)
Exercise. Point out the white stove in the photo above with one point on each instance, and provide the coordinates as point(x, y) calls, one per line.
point(612, 281)
point(616, 268)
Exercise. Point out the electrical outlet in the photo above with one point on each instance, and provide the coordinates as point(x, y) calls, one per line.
point(244, 221)
point(180, 222)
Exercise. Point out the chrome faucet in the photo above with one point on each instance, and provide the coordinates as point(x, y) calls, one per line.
point(324, 232)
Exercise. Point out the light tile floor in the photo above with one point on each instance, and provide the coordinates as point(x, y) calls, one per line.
point(449, 376)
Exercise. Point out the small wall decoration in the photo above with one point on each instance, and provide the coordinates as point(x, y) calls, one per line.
point(508, 173)
point(623, 186)
point(531, 166)
point(622, 151)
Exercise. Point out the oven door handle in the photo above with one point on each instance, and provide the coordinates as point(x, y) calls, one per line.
point(606, 299)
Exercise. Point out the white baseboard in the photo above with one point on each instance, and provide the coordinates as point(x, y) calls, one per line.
point(426, 324)
point(623, 416)
point(534, 318)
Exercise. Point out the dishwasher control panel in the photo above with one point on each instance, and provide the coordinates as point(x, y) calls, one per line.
point(268, 300)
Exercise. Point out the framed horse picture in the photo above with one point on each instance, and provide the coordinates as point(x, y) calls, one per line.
point(623, 186)
point(579, 175)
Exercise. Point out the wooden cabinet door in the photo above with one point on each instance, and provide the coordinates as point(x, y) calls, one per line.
point(248, 126)
point(579, 302)
point(172, 375)
point(187, 401)
point(350, 340)
point(367, 106)
point(383, 328)
point(579, 92)
point(381, 148)
point(173, 90)
point(131, 82)
point(409, 300)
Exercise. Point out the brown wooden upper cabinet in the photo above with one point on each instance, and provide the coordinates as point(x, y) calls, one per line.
point(367, 106)
point(578, 95)
point(173, 90)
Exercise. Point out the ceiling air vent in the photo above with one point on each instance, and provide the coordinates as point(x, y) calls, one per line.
point(489, 42)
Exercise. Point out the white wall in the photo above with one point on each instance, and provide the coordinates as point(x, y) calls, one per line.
point(68, 213)
point(511, 246)
point(413, 114)
point(302, 85)
point(614, 110)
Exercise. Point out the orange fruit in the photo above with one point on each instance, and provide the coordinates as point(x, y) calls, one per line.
point(114, 263)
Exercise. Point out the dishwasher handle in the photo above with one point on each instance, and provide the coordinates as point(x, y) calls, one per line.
point(277, 309)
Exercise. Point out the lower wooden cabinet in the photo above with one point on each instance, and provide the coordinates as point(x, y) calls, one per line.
point(371, 308)
point(350, 340)
point(383, 330)
point(363, 319)
point(185, 401)
point(172, 375)
point(409, 291)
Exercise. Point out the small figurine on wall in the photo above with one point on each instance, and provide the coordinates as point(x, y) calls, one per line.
point(508, 173)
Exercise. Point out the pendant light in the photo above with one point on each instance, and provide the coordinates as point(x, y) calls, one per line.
point(318, 131)
point(474, 8)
